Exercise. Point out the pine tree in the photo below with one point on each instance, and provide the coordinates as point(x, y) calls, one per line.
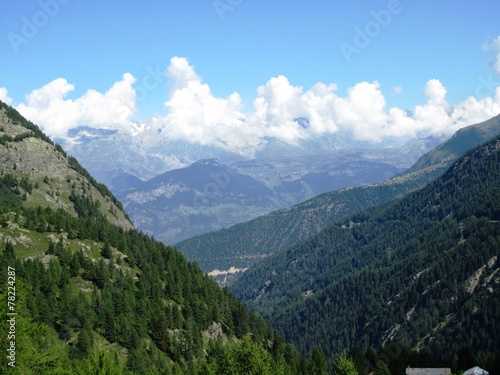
point(9, 250)
point(344, 366)
point(85, 343)
point(382, 368)
point(317, 362)
point(106, 251)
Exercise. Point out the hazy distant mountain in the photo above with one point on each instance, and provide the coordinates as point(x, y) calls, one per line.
point(292, 173)
point(108, 153)
point(200, 198)
point(298, 178)
point(147, 152)
point(278, 230)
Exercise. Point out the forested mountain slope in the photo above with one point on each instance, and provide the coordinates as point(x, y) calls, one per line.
point(245, 244)
point(422, 271)
point(461, 142)
point(53, 178)
point(87, 294)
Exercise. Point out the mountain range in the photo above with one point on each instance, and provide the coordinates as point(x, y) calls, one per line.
point(200, 198)
point(134, 165)
point(242, 245)
point(146, 152)
point(410, 282)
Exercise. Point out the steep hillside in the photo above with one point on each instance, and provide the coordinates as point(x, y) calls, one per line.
point(84, 293)
point(57, 180)
point(461, 142)
point(244, 244)
point(421, 271)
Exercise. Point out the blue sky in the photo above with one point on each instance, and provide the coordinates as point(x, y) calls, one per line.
point(236, 46)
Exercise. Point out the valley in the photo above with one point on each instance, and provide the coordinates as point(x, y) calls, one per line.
point(238, 187)
point(406, 263)
point(280, 174)
point(95, 295)
point(275, 232)
point(409, 271)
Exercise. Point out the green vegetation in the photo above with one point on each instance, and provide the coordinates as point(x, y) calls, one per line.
point(275, 232)
point(18, 119)
point(414, 282)
point(144, 308)
point(95, 298)
point(4, 139)
point(279, 230)
point(421, 270)
point(101, 188)
point(10, 195)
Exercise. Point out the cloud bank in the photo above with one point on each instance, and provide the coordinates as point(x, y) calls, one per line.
point(48, 107)
point(195, 114)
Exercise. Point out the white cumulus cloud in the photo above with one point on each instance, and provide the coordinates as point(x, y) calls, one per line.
point(472, 110)
point(195, 114)
point(362, 112)
point(436, 92)
point(277, 105)
point(319, 106)
point(4, 97)
point(48, 107)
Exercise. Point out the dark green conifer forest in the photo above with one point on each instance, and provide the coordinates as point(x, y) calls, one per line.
point(414, 282)
point(101, 299)
point(420, 271)
point(151, 304)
